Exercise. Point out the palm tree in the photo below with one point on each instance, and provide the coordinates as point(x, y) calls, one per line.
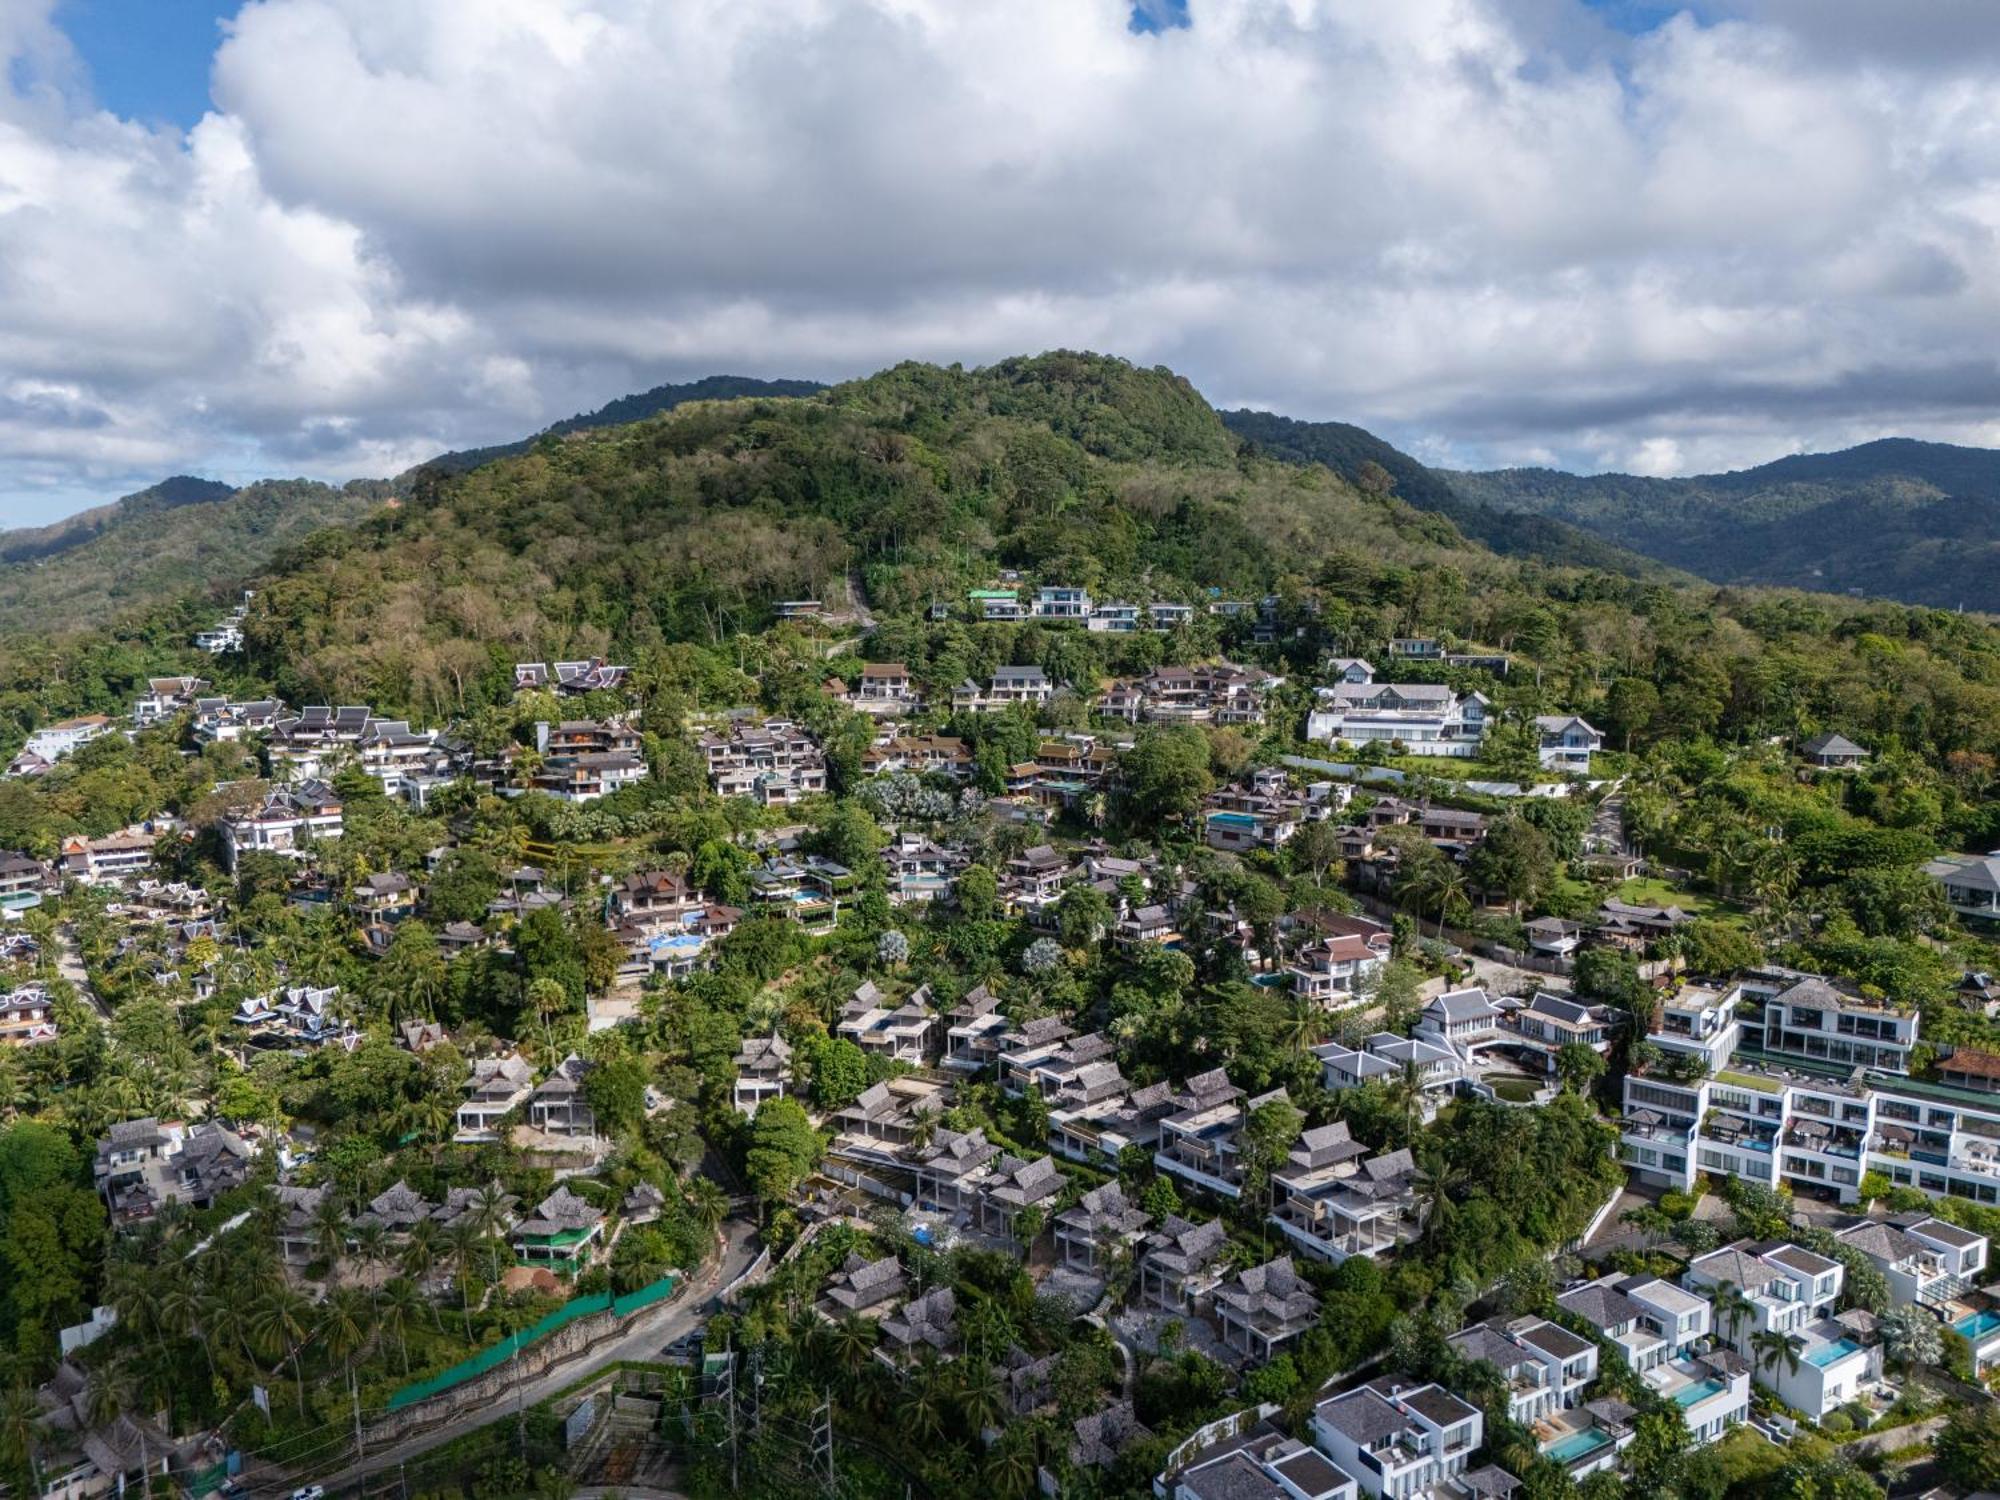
point(708, 1202)
point(371, 1242)
point(21, 1434)
point(922, 1407)
point(420, 1254)
point(397, 1305)
point(463, 1243)
point(1773, 1350)
point(182, 1305)
point(278, 1326)
point(1730, 1306)
point(330, 1232)
point(982, 1403)
point(1010, 1467)
point(853, 1342)
point(346, 1321)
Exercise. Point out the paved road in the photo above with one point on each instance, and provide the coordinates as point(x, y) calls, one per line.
point(649, 1333)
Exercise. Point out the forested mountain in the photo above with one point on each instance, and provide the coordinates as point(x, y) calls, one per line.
point(182, 537)
point(1896, 518)
point(29, 543)
point(1368, 462)
point(919, 481)
point(631, 409)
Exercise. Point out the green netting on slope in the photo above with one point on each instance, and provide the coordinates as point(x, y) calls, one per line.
point(514, 1343)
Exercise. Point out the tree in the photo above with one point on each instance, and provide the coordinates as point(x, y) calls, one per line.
point(1774, 1351)
point(1912, 1338)
point(1083, 916)
point(1629, 708)
point(1514, 859)
point(892, 949)
point(1578, 1066)
point(977, 892)
point(1042, 957)
point(839, 1071)
point(1316, 848)
point(616, 1091)
point(783, 1149)
point(1968, 1449)
point(1268, 1133)
point(1166, 776)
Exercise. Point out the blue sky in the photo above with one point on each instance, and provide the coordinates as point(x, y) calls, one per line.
point(148, 59)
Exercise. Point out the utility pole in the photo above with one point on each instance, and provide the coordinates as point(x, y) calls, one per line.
point(729, 1377)
point(822, 1434)
point(354, 1395)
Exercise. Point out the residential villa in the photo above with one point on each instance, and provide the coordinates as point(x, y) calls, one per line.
point(1400, 1440)
point(288, 821)
point(1791, 1292)
point(1663, 1332)
point(562, 1234)
point(1333, 1200)
point(1971, 883)
point(1264, 1308)
point(763, 1066)
point(496, 1087)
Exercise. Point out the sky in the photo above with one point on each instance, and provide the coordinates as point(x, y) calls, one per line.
point(334, 237)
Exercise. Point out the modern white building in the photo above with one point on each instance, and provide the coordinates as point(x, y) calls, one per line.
point(1789, 1292)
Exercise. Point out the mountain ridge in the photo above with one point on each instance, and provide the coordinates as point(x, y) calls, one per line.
point(1897, 518)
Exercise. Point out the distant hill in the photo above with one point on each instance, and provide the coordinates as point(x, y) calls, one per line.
point(1896, 518)
point(1349, 451)
point(27, 543)
point(185, 536)
point(629, 409)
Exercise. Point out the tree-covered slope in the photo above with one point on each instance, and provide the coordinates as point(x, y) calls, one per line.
point(920, 481)
point(148, 554)
point(633, 408)
point(1895, 518)
point(1365, 460)
point(30, 543)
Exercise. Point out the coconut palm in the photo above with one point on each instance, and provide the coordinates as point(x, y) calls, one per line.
point(853, 1342)
point(21, 1435)
point(982, 1401)
point(1731, 1307)
point(329, 1233)
point(397, 1305)
point(463, 1243)
point(1774, 1351)
point(922, 1407)
point(346, 1322)
point(708, 1203)
point(277, 1327)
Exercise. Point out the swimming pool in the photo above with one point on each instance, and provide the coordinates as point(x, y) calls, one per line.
point(1577, 1445)
point(1691, 1394)
point(1832, 1353)
point(1233, 819)
point(1977, 1325)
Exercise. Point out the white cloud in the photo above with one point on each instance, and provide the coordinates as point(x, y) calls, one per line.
point(1497, 230)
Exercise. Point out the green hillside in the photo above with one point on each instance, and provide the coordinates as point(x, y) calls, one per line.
point(137, 556)
point(633, 408)
point(1364, 459)
point(31, 543)
point(1896, 518)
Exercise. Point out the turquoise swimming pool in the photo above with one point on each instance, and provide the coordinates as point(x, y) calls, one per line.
point(1691, 1394)
point(1977, 1325)
point(1233, 819)
point(1577, 1445)
point(1832, 1353)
